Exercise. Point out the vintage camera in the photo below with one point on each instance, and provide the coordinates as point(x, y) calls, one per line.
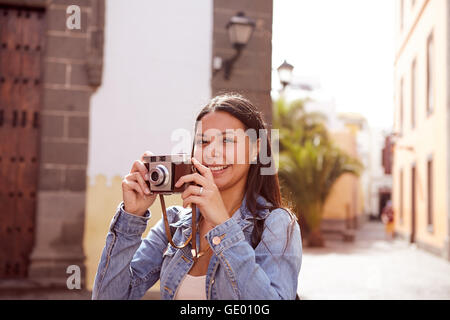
point(164, 172)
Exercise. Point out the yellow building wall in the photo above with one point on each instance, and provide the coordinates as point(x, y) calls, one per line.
point(102, 200)
point(339, 204)
point(345, 198)
point(429, 137)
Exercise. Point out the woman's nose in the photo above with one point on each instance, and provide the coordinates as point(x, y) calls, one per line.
point(214, 151)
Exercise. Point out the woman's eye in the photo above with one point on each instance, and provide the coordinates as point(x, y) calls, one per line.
point(228, 140)
point(201, 141)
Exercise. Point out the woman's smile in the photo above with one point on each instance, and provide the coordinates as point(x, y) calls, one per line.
point(218, 171)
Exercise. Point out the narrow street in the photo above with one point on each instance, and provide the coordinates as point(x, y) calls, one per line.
point(373, 267)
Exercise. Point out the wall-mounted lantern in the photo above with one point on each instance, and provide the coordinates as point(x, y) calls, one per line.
point(240, 29)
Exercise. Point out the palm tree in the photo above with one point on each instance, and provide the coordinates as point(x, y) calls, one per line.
point(309, 163)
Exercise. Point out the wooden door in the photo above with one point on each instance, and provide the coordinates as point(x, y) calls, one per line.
point(21, 43)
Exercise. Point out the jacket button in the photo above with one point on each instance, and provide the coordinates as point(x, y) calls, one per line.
point(216, 240)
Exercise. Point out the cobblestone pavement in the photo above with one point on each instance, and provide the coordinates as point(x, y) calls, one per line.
point(372, 267)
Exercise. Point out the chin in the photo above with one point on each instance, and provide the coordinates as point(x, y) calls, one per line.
point(222, 174)
point(226, 176)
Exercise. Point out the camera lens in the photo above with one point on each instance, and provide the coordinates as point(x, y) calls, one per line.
point(159, 175)
point(155, 176)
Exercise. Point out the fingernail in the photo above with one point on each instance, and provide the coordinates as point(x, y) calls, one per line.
point(146, 177)
point(147, 191)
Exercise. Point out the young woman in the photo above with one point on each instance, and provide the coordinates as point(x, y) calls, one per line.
point(249, 245)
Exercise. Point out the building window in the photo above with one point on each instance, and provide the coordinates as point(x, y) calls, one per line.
point(430, 74)
point(401, 196)
point(401, 107)
point(387, 155)
point(413, 94)
point(430, 193)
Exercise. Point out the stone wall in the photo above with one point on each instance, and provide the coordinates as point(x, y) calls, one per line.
point(251, 74)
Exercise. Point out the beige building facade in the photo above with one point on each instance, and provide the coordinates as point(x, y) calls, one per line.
point(421, 166)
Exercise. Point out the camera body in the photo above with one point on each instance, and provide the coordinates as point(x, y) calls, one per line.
point(164, 171)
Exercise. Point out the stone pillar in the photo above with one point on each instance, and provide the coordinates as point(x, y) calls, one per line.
point(72, 71)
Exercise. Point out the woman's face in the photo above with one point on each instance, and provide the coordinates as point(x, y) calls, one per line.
point(222, 145)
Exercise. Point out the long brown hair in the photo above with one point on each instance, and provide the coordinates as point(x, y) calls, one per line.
point(257, 184)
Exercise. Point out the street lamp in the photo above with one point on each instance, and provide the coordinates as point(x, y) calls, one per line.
point(240, 29)
point(285, 73)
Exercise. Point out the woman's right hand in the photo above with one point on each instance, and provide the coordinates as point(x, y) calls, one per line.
point(136, 195)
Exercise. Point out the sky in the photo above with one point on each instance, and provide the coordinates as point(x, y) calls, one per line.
point(347, 45)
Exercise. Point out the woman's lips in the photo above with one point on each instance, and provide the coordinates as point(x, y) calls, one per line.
point(218, 170)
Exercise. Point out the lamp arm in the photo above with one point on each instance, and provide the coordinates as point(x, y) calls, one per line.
point(228, 64)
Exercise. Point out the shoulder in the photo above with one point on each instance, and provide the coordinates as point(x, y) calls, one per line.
point(281, 232)
point(281, 217)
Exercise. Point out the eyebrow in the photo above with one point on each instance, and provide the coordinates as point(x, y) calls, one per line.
point(223, 133)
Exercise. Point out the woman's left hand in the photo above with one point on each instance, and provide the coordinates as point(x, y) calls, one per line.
point(205, 194)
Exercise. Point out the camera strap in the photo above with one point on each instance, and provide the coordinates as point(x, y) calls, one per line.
point(192, 237)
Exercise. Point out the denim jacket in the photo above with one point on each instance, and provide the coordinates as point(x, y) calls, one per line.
point(129, 265)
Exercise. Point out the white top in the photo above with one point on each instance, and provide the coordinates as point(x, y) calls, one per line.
point(192, 288)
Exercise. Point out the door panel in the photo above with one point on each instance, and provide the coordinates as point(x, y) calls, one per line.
point(21, 43)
